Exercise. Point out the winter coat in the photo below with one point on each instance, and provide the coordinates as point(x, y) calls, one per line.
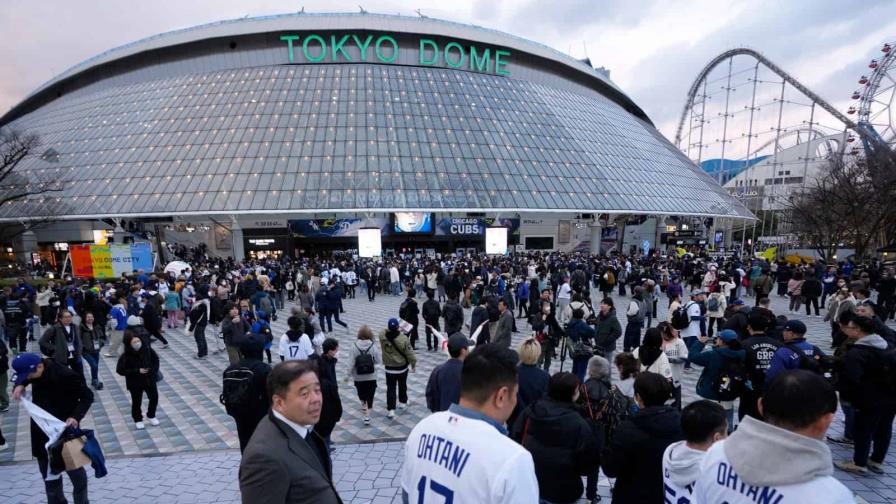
point(62, 393)
point(397, 352)
point(92, 338)
point(812, 288)
point(562, 444)
point(533, 384)
point(172, 301)
point(443, 386)
point(431, 312)
point(858, 370)
point(713, 363)
point(579, 330)
point(355, 349)
point(607, 332)
point(454, 316)
point(635, 455)
point(54, 343)
point(129, 365)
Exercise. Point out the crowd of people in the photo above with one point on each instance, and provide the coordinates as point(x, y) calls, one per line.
point(502, 429)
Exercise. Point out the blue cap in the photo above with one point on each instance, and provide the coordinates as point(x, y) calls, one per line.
point(23, 365)
point(727, 335)
point(393, 324)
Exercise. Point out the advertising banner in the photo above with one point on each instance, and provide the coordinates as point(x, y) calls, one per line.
point(334, 228)
point(474, 226)
point(108, 261)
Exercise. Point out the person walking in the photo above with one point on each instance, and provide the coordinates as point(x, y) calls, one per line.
point(244, 395)
point(398, 357)
point(139, 364)
point(16, 313)
point(64, 394)
point(294, 344)
point(199, 317)
point(561, 441)
point(410, 312)
point(152, 318)
point(172, 308)
point(93, 337)
point(286, 461)
point(62, 343)
point(431, 314)
point(635, 321)
point(234, 328)
point(119, 319)
point(453, 315)
point(363, 357)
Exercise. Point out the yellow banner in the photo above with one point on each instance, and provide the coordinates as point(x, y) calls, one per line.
point(101, 259)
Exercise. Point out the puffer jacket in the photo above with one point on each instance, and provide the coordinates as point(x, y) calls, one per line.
point(713, 363)
point(397, 352)
point(608, 331)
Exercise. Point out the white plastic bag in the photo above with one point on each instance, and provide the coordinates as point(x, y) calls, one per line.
point(52, 427)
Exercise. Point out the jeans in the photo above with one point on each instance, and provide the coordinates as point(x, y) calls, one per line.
point(325, 317)
point(371, 293)
point(336, 319)
point(431, 340)
point(93, 362)
point(873, 425)
point(395, 288)
point(201, 344)
point(849, 419)
point(547, 352)
point(55, 492)
point(152, 393)
point(401, 381)
point(717, 321)
point(688, 340)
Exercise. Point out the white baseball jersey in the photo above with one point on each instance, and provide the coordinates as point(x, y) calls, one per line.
point(299, 349)
point(452, 458)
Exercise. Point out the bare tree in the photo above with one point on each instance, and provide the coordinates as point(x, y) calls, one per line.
point(851, 202)
point(17, 185)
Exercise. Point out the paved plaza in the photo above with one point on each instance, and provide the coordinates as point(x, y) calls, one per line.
point(193, 455)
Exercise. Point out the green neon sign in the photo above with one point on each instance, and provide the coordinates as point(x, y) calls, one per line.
point(317, 48)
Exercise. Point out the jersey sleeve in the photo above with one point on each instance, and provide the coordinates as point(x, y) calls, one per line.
point(516, 483)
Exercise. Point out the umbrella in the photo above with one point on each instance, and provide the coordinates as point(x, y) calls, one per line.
point(176, 267)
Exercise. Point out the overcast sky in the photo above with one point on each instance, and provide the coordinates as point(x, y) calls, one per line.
point(654, 49)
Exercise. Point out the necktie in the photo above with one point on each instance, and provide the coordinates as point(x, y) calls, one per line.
point(309, 438)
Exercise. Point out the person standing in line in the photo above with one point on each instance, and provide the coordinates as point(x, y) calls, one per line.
point(431, 314)
point(139, 365)
point(93, 337)
point(703, 424)
point(784, 457)
point(443, 386)
point(398, 356)
point(453, 315)
point(363, 356)
point(64, 394)
point(286, 461)
point(495, 469)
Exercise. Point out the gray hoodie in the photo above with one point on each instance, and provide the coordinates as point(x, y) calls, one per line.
point(681, 466)
point(765, 455)
point(873, 340)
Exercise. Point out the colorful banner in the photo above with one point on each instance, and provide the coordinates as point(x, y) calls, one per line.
point(108, 261)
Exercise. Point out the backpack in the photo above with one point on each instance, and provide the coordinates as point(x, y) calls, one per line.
point(609, 412)
point(238, 396)
point(818, 362)
point(611, 278)
point(404, 308)
point(732, 381)
point(364, 361)
point(680, 318)
point(713, 304)
point(266, 305)
point(883, 374)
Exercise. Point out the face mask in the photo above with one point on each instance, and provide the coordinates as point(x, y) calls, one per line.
point(137, 345)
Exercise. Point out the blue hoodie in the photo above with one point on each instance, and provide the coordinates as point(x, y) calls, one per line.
point(713, 362)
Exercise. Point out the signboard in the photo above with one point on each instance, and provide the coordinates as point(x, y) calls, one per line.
point(474, 226)
point(496, 240)
point(563, 232)
point(383, 48)
point(266, 224)
point(370, 242)
point(333, 228)
point(107, 261)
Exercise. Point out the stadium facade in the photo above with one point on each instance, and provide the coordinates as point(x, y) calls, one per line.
point(273, 127)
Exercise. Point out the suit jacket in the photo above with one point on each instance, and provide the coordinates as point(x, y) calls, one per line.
point(54, 344)
point(279, 467)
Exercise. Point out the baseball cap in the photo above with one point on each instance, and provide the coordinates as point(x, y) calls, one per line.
point(796, 326)
point(23, 365)
point(134, 320)
point(458, 342)
point(393, 324)
point(697, 292)
point(737, 302)
point(727, 335)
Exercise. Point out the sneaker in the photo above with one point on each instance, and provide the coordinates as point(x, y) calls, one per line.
point(840, 440)
point(153, 421)
point(140, 426)
point(4, 446)
point(876, 467)
point(99, 386)
point(4, 409)
point(199, 357)
point(367, 420)
point(390, 414)
point(165, 345)
point(850, 467)
point(402, 406)
point(108, 355)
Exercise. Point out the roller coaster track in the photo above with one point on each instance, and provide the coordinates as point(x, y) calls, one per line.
point(692, 93)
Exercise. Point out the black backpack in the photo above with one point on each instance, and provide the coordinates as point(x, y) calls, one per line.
point(883, 374)
point(680, 319)
point(239, 396)
point(732, 381)
point(364, 361)
point(608, 412)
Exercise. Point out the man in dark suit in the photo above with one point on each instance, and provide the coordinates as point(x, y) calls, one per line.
point(286, 462)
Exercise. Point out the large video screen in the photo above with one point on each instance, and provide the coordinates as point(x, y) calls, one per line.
point(496, 240)
point(412, 222)
point(370, 242)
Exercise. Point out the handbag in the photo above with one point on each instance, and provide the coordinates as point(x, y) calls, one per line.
point(581, 349)
point(159, 376)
